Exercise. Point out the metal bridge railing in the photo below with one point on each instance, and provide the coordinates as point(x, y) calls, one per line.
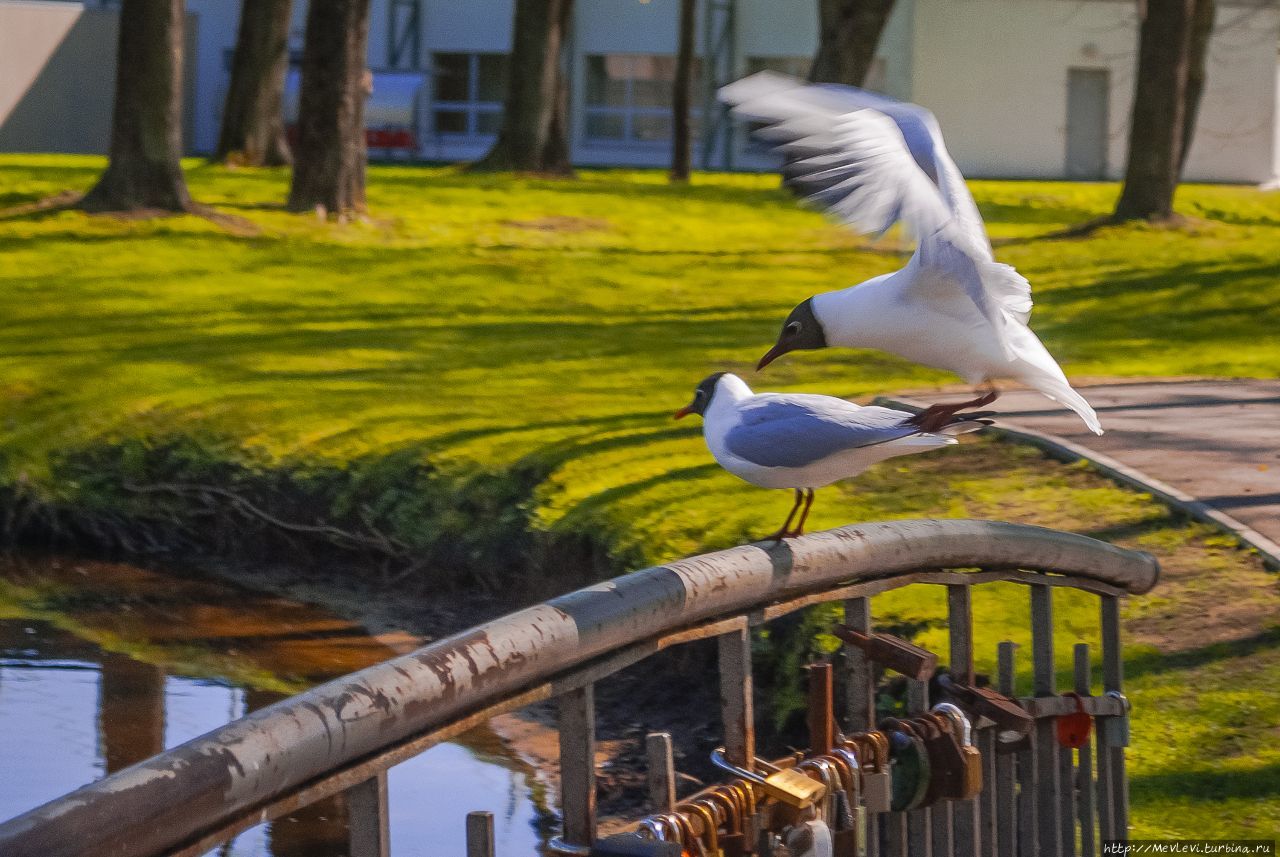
point(344, 735)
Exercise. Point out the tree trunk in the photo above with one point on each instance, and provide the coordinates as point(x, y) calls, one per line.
point(252, 118)
point(1156, 129)
point(330, 157)
point(144, 170)
point(681, 96)
point(848, 32)
point(534, 133)
point(1201, 31)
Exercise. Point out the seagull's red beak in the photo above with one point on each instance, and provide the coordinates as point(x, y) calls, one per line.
point(771, 355)
point(683, 412)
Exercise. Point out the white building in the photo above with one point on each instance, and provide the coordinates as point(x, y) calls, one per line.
point(1022, 88)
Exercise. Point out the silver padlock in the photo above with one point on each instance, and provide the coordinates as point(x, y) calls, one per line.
point(809, 839)
point(877, 788)
point(1116, 729)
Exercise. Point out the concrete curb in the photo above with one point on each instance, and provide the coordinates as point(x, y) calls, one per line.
point(1066, 450)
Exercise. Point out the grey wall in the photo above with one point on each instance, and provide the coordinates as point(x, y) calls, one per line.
point(57, 76)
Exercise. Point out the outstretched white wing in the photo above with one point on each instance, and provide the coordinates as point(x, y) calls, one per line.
point(870, 160)
point(873, 161)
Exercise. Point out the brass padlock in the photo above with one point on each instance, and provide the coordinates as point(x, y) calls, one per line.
point(785, 785)
point(891, 652)
point(710, 838)
point(963, 732)
point(1116, 729)
point(733, 841)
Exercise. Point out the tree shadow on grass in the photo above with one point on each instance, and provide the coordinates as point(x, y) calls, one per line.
point(1147, 661)
point(1201, 785)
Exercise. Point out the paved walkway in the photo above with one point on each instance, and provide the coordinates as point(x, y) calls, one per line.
point(1214, 444)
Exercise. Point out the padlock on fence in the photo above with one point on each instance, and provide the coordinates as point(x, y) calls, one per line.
point(891, 652)
point(877, 784)
point(1006, 713)
point(785, 785)
point(1072, 730)
point(971, 764)
point(1116, 729)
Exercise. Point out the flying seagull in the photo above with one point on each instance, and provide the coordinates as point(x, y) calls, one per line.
point(803, 442)
point(873, 161)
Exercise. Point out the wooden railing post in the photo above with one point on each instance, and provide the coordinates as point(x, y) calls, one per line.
point(577, 723)
point(1115, 794)
point(737, 710)
point(859, 682)
point(1048, 830)
point(966, 840)
point(1084, 768)
point(662, 772)
point(480, 834)
point(1006, 797)
point(919, 822)
point(369, 830)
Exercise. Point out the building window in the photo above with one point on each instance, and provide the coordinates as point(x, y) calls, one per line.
point(628, 98)
point(468, 90)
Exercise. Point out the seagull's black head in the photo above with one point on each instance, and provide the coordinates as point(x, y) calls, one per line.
point(800, 332)
point(701, 397)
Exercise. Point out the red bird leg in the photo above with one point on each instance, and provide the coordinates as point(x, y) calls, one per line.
point(785, 530)
point(935, 417)
point(804, 516)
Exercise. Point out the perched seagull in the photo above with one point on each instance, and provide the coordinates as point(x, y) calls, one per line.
point(873, 161)
point(803, 442)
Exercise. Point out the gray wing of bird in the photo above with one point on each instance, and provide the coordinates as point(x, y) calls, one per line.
point(779, 430)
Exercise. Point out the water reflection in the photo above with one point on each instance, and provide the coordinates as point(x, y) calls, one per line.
point(102, 665)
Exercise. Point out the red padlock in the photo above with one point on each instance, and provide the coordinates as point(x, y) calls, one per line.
point(1073, 729)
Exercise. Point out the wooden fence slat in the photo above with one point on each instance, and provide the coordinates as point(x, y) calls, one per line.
point(1066, 801)
point(369, 827)
point(1113, 679)
point(1048, 802)
point(1084, 769)
point(577, 723)
point(737, 711)
point(987, 826)
point(480, 834)
point(662, 772)
point(1006, 796)
point(965, 828)
point(859, 683)
point(919, 821)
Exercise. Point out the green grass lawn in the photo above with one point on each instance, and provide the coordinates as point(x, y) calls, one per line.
point(484, 373)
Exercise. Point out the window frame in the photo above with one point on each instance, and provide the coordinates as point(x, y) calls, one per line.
point(473, 107)
point(629, 111)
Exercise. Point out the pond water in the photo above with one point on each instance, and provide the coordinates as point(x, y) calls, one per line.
point(103, 664)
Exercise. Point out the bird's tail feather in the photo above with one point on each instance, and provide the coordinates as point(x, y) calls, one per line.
point(1062, 393)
